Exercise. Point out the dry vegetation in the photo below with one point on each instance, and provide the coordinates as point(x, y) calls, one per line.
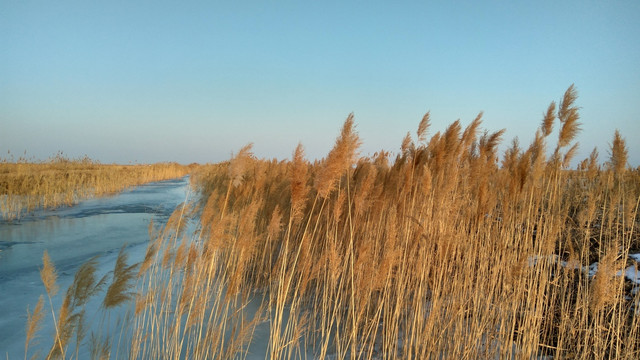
point(442, 252)
point(27, 185)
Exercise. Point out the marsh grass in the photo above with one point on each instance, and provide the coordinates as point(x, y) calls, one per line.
point(26, 185)
point(442, 252)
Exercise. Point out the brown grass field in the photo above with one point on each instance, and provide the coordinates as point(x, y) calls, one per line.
point(27, 185)
point(448, 250)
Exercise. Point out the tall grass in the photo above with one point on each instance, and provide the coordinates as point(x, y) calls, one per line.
point(26, 185)
point(444, 251)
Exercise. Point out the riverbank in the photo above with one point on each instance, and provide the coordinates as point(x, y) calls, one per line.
point(26, 186)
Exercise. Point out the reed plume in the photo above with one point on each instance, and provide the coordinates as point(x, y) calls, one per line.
point(65, 326)
point(239, 164)
point(407, 146)
point(340, 158)
point(48, 275)
point(275, 224)
point(452, 139)
point(149, 256)
point(85, 285)
point(619, 154)
point(471, 132)
point(423, 127)
point(568, 116)
point(299, 179)
point(365, 176)
point(237, 168)
point(547, 120)
point(603, 291)
point(592, 165)
point(569, 155)
point(121, 284)
point(488, 144)
point(34, 324)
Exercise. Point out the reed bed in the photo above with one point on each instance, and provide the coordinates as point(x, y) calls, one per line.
point(27, 185)
point(444, 251)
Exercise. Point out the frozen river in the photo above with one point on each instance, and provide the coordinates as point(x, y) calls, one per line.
point(71, 236)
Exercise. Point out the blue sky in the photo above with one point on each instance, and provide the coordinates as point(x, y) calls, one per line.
point(134, 81)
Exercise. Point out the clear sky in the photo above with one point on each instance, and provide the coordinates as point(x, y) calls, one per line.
point(147, 81)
